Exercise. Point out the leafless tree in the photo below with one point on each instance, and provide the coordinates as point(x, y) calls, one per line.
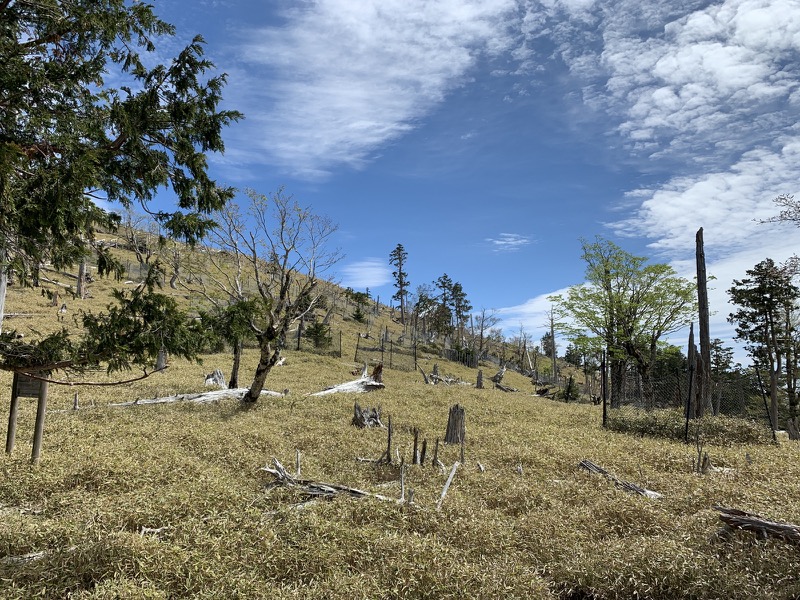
point(269, 258)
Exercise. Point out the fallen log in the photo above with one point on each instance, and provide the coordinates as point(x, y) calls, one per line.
point(739, 519)
point(358, 386)
point(504, 388)
point(625, 485)
point(316, 489)
point(201, 398)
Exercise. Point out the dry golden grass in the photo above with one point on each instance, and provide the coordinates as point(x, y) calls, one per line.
point(532, 525)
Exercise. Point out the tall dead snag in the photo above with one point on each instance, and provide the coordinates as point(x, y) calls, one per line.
point(456, 425)
point(704, 378)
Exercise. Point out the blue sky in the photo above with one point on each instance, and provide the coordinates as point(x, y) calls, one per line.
point(488, 136)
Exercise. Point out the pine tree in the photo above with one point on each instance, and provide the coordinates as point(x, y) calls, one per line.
point(398, 258)
point(763, 320)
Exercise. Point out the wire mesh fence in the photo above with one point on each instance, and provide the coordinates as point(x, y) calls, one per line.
point(327, 345)
point(663, 407)
point(393, 355)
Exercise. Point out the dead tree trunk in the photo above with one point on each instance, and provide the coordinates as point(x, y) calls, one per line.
point(80, 287)
point(456, 425)
point(704, 378)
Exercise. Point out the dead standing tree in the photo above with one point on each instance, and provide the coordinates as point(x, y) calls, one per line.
point(281, 249)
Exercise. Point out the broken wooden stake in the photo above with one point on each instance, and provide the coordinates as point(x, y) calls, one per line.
point(447, 485)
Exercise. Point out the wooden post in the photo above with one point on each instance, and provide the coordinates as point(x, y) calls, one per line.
point(415, 455)
point(12, 418)
point(38, 431)
point(389, 442)
point(358, 339)
point(479, 383)
point(604, 390)
point(27, 387)
point(423, 452)
point(435, 453)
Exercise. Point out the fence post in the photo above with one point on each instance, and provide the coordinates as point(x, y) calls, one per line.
point(391, 352)
point(358, 339)
point(604, 386)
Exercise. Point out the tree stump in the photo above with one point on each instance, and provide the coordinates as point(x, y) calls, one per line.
point(456, 426)
point(479, 383)
point(366, 417)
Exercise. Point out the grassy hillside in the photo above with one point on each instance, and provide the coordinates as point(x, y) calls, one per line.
point(170, 501)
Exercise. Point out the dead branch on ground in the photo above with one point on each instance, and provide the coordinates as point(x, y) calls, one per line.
point(625, 485)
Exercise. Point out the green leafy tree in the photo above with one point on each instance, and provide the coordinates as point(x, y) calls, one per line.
point(630, 305)
point(398, 258)
point(573, 355)
point(441, 321)
point(230, 323)
point(670, 362)
point(68, 137)
point(766, 300)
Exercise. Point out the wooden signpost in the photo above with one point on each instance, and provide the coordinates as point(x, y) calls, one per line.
point(27, 387)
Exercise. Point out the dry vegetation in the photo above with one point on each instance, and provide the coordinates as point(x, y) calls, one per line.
point(169, 501)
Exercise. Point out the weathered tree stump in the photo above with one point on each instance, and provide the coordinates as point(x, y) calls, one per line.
point(214, 379)
point(366, 417)
point(377, 373)
point(456, 425)
point(479, 383)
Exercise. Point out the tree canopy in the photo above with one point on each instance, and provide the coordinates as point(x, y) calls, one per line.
point(629, 304)
point(86, 117)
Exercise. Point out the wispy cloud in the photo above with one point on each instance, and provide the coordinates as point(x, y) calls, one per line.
point(508, 242)
point(346, 78)
point(369, 272)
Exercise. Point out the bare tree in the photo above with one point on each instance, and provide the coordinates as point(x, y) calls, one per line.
point(483, 321)
point(269, 263)
point(141, 234)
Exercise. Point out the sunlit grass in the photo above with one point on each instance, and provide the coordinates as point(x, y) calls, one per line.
point(531, 525)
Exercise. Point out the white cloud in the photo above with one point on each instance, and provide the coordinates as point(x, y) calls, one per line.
point(341, 79)
point(508, 242)
point(366, 273)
